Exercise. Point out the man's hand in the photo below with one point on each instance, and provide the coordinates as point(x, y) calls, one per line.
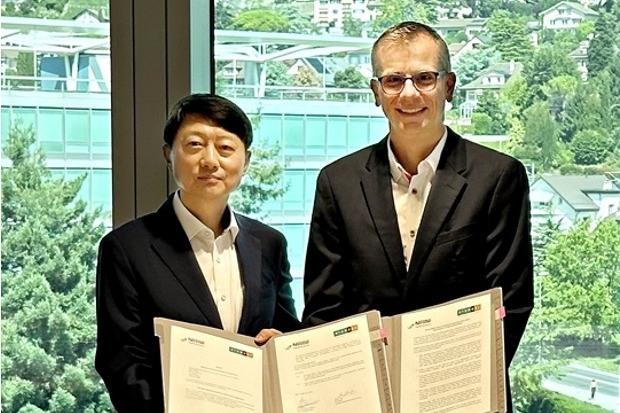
point(265, 334)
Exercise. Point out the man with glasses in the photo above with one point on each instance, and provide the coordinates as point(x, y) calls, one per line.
point(423, 216)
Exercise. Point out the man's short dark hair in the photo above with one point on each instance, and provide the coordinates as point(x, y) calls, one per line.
point(407, 31)
point(217, 109)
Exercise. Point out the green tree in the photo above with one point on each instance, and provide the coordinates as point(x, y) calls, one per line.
point(565, 40)
point(277, 74)
point(49, 9)
point(601, 50)
point(537, 356)
point(262, 181)
point(591, 147)
point(558, 91)
point(225, 12)
point(547, 62)
point(488, 104)
point(458, 37)
point(299, 22)
point(351, 27)
point(540, 139)
point(587, 109)
point(585, 29)
point(582, 269)
point(24, 67)
point(392, 12)
point(260, 20)
point(350, 78)
point(515, 94)
point(48, 257)
point(469, 66)
point(306, 77)
point(482, 123)
point(509, 36)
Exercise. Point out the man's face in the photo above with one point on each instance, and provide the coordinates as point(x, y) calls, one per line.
point(412, 110)
point(207, 161)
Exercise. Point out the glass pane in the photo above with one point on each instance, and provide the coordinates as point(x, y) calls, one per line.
point(541, 96)
point(294, 136)
point(51, 131)
point(27, 116)
point(337, 136)
point(6, 123)
point(358, 133)
point(101, 132)
point(294, 196)
point(316, 128)
point(77, 131)
point(50, 235)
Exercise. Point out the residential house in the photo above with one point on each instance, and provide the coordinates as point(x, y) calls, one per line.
point(324, 67)
point(580, 56)
point(568, 198)
point(331, 13)
point(493, 79)
point(453, 12)
point(470, 26)
point(566, 15)
point(457, 50)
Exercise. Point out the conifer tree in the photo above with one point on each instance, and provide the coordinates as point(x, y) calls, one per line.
point(48, 317)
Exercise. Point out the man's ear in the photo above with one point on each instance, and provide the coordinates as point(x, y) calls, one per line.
point(374, 85)
point(248, 156)
point(165, 149)
point(450, 86)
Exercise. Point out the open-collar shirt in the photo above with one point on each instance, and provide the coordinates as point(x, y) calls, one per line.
point(411, 192)
point(217, 259)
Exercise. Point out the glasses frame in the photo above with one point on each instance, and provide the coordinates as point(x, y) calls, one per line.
point(437, 74)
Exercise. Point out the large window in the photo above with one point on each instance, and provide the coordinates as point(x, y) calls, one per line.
point(556, 108)
point(56, 202)
point(551, 106)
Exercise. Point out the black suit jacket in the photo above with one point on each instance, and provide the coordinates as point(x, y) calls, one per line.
point(147, 269)
point(474, 234)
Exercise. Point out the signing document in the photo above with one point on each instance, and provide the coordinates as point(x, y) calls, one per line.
point(209, 373)
point(336, 367)
point(328, 369)
point(449, 358)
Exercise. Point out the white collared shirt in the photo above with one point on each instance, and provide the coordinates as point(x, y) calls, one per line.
point(217, 259)
point(411, 192)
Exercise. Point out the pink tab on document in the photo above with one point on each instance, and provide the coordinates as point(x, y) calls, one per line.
point(500, 313)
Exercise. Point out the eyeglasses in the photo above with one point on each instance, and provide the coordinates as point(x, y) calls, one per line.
point(394, 83)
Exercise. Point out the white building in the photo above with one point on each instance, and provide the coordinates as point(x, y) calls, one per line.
point(568, 198)
point(331, 13)
point(566, 15)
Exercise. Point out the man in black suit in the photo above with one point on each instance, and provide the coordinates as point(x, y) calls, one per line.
point(423, 216)
point(194, 260)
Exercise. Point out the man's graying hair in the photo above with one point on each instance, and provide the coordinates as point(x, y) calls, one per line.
point(408, 31)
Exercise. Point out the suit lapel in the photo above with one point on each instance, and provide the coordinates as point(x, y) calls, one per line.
point(445, 191)
point(174, 249)
point(249, 255)
point(377, 189)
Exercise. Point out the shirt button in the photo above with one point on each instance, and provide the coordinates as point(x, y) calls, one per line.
point(412, 233)
point(223, 298)
point(414, 191)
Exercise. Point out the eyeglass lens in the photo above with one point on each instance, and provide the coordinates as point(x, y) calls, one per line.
point(423, 81)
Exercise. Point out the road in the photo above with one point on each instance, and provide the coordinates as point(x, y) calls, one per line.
point(575, 383)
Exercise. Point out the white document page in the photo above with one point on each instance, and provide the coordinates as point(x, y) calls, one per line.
point(213, 374)
point(328, 369)
point(446, 355)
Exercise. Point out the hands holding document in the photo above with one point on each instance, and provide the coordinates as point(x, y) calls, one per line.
point(447, 358)
point(335, 367)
